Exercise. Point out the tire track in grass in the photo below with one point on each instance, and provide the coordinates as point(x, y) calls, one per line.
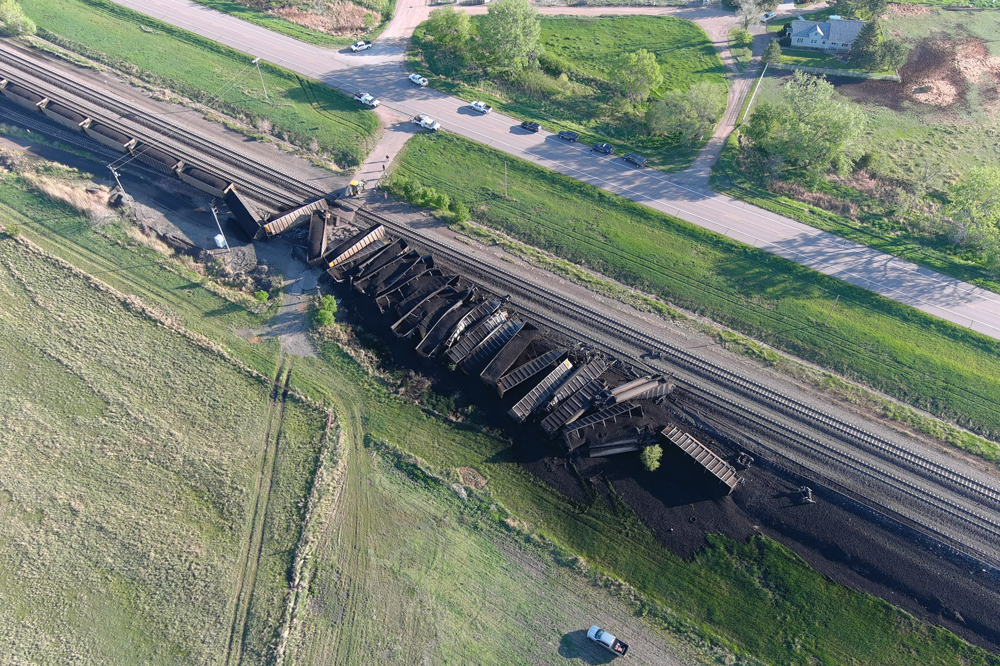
point(250, 557)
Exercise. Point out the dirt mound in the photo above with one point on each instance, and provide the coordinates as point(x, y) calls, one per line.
point(909, 10)
point(975, 62)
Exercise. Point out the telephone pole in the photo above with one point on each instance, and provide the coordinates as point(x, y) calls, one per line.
point(506, 195)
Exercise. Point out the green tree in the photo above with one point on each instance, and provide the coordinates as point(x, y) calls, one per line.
point(742, 38)
point(893, 54)
point(871, 9)
point(688, 115)
point(865, 50)
point(650, 457)
point(448, 28)
point(772, 52)
point(974, 208)
point(261, 296)
point(508, 35)
point(14, 20)
point(810, 128)
point(640, 74)
point(750, 12)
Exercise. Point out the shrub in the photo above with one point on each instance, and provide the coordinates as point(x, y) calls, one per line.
point(13, 19)
point(261, 296)
point(650, 457)
point(325, 318)
point(460, 212)
point(742, 38)
point(14, 230)
point(328, 304)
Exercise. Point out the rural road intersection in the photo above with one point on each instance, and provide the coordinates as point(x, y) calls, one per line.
point(381, 71)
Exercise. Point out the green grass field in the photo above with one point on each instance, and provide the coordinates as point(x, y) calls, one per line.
point(201, 69)
point(755, 598)
point(129, 500)
point(587, 51)
point(919, 359)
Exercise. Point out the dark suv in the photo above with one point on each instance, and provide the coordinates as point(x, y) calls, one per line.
point(530, 126)
point(637, 160)
point(604, 149)
point(566, 135)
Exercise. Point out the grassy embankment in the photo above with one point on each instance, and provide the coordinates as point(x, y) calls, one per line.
point(912, 147)
point(133, 458)
point(302, 32)
point(298, 108)
point(757, 598)
point(917, 358)
point(588, 52)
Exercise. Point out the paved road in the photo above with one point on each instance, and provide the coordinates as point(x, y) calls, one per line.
point(381, 71)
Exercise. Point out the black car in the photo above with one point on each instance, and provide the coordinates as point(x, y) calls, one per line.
point(530, 126)
point(566, 135)
point(637, 160)
point(604, 149)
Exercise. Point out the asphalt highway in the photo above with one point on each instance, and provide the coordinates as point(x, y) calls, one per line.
point(381, 72)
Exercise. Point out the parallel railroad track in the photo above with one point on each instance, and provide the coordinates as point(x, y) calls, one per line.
point(769, 399)
point(279, 188)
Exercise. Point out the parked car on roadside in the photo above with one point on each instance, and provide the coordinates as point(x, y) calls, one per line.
point(360, 46)
point(419, 80)
point(427, 122)
point(366, 98)
point(603, 149)
point(530, 126)
point(566, 135)
point(635, 159)
point(768, 16)
point(481, 107)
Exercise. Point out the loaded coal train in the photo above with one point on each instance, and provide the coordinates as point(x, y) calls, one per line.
point(592, 404)
point(254, 222)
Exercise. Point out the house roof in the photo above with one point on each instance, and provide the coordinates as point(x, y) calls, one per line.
point(841, 31)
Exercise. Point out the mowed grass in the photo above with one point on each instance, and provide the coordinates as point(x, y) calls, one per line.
point(129, 458)
point(912, 356)
point(588, 51)
point(417, 574)
point(300, 108)
point(756, 598)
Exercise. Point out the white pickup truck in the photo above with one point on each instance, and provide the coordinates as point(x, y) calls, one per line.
point(361, 46)
point(602, 637)
point(427, 122)
point(366, 98)
point(481, 107)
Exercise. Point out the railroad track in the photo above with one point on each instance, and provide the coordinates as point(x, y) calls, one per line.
point(769, 399)
point(186, 144)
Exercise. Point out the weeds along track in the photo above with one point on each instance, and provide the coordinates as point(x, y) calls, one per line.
point(257, 179)
point(921, 479)
point(250, 558)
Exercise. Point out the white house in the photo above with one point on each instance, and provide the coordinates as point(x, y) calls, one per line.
point(834, 35)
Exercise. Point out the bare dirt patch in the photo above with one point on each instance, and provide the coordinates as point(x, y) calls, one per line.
point(472, 478)
point(975, 62)
point(909, 10)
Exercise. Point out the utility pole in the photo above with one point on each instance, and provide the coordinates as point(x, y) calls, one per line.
point(505, 193)
point(755, 90)
point(828, 314)
point(115, 175)
point(215, 214)
point(256, 61)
